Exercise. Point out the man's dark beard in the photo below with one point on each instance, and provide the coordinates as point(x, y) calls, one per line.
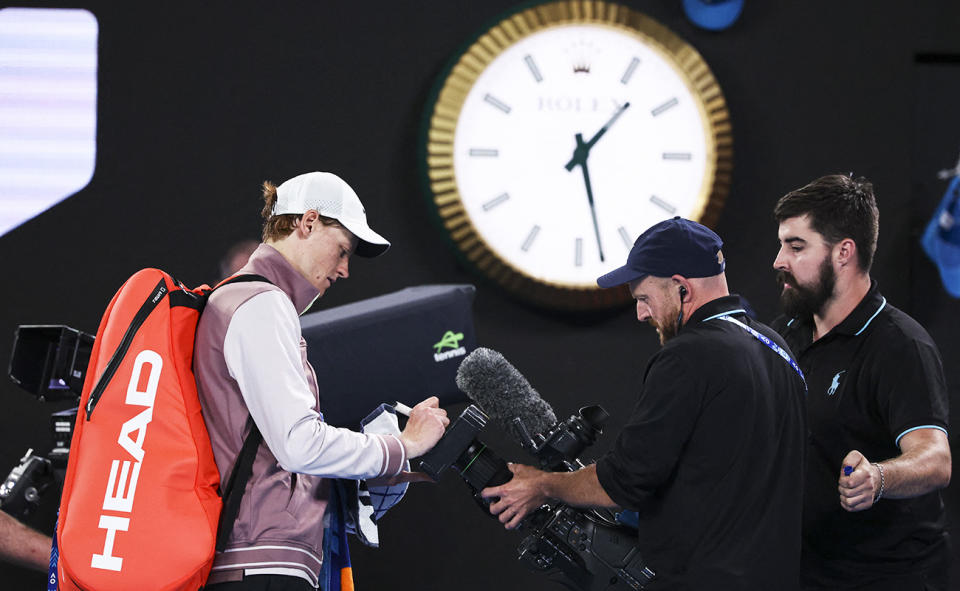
point(804, 302)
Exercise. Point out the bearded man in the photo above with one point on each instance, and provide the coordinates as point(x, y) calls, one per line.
point(712, 454)
point(876, 406)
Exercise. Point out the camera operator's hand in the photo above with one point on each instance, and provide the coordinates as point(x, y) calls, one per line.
point(529, 488)
point(424, 427)
point(517, 498)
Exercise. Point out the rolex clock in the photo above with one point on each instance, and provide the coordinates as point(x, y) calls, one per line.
point(560, 135)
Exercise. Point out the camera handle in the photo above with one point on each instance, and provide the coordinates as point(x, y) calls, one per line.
point(526, 441)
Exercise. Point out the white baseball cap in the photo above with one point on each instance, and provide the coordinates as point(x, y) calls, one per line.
point(332, 197)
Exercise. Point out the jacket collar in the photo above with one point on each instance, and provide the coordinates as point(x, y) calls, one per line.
point(268, 262)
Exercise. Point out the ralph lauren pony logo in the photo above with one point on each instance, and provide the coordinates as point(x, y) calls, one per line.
point(835, 383)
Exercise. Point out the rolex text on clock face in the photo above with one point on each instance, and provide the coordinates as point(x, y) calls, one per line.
point(572, 142)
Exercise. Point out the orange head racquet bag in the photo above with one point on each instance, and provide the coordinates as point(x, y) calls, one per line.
point(141, 500)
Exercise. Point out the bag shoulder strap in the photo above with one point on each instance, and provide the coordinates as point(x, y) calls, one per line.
point(233, 493)
point(242, 279)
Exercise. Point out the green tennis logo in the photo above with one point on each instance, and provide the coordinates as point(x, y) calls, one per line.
point(451, 341)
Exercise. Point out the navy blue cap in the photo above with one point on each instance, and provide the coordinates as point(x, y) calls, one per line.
point(713, 15)
point(941, 239)
point(672, 247)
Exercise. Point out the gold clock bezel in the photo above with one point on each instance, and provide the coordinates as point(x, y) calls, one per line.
point(463, 74)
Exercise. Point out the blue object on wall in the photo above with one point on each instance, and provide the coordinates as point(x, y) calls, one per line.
point(941, 239)
point(713, 15)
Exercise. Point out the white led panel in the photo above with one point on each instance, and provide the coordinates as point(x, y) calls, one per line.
point(48, 108)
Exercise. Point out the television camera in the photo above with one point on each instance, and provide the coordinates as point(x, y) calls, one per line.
point(48, 361)
point(591, 549)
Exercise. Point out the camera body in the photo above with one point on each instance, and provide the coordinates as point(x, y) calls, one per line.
point(589, 548)
point(50, 362)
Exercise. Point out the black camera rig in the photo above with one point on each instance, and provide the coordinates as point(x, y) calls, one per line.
point(48, 361)
point(589, 548)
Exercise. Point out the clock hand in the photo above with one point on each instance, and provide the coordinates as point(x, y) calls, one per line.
point(583, 149)
point(580, 154)
point(586, 181)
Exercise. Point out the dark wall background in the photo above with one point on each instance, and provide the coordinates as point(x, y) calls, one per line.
point(199, 103)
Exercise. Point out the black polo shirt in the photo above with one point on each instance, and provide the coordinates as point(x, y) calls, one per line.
point(873, 378)
point(712, 457)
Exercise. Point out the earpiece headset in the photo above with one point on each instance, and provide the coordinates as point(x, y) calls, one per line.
point(683, 293)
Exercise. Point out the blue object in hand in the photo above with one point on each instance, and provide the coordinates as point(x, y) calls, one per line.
point(847, 470)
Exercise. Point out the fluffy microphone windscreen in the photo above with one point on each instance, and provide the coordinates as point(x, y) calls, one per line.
point(503, 393)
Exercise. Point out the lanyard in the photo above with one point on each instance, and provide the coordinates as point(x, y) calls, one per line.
point(766, 341)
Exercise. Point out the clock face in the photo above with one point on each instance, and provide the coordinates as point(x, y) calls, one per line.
point(551, 155)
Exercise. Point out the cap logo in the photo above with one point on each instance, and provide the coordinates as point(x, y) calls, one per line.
point(719, 257)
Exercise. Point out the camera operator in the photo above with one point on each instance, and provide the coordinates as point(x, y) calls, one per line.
point(712, 455)
point(251, 361)
point(23, 546)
